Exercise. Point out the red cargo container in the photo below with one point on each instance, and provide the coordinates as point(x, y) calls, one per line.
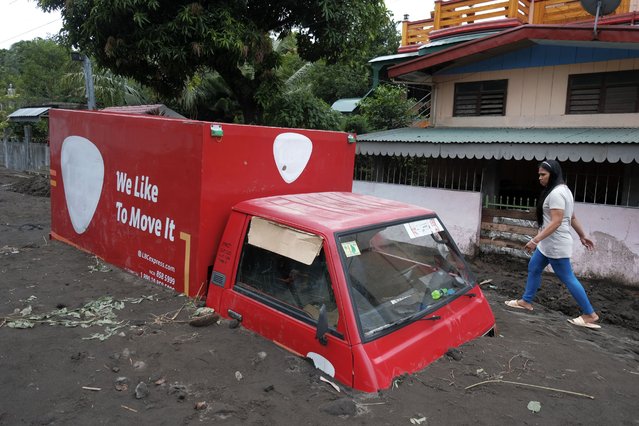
point(152, 195)
point(366, 288)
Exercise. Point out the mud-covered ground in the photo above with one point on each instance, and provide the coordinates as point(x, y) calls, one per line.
point(152, 367)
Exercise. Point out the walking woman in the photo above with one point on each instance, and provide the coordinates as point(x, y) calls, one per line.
point(553, 244)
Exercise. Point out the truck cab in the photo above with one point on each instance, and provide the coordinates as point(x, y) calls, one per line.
point(368, 289)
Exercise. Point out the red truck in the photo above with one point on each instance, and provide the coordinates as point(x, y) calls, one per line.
point(262, 222)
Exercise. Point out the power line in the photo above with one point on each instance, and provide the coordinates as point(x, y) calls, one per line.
point(28, 31)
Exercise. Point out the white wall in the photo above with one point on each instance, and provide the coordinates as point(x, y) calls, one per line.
point(615, 232)
point(459, 210)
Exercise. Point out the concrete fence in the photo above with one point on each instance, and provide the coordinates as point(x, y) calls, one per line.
point(24, 156)
point(614, 229)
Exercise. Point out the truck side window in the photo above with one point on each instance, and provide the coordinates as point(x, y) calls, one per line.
point(289, 285)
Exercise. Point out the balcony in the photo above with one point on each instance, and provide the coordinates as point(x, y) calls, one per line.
point(460, 16)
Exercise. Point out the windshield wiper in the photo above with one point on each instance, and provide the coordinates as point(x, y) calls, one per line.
point(388, 325)
point(433, 318)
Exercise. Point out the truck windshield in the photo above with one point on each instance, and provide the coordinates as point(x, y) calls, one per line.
point(402, 272)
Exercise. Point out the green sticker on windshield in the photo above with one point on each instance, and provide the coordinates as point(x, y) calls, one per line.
point(350, 249)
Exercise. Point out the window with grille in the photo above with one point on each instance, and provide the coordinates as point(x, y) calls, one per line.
point(480, 98)
point(603, 93)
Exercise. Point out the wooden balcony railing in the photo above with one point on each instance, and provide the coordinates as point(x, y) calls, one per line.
point(455, 13)
point(563, 11)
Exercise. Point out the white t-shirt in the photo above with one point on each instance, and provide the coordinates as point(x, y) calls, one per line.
point(559, 244)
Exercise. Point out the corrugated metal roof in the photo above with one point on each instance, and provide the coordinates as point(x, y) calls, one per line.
point(393, 57)
point(28, 114)
point(155, 109)
point(346, 104)
point(504, 135)
point(575, 144)
point(453, 40)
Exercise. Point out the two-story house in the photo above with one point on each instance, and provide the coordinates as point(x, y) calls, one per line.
point(542, 82)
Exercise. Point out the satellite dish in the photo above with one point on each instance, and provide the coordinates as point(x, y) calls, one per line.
point(598, 8)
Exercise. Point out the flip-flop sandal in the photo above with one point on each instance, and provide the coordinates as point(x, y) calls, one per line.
point(513, 304)
point(579, 322)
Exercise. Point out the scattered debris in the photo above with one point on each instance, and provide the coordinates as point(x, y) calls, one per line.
point(179, 390)
point(9, 250)
point(238, 376)
point(121, 384)
point(261, 356)
point(454, 353)
point(269, 388)
point(417, 421)
point(139, 365)
point(204, 320)
point(129, 408)
point(99, 266)
point(91, 388)
point(99, 312)
point(200, 405)
point(534, 406)
point(529, 385)
point(481, 373)
point(141, 390)
point(398, 380)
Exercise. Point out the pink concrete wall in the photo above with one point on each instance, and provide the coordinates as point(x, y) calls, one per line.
point(615, 232)
point(459, 210)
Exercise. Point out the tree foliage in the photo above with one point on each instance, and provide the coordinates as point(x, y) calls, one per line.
point(388, 108)
point(164, 43)
point(303, 110)
point(35, 69)
point(110, 89)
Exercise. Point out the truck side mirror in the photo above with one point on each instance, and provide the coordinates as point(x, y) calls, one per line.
point(322, 326)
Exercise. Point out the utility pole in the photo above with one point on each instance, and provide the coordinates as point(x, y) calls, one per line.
point(88, 77)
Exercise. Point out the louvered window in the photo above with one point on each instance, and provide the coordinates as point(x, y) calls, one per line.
point(480, 98)
point(603, 93)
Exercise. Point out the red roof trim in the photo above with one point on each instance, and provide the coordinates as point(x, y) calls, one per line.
point(613, 34)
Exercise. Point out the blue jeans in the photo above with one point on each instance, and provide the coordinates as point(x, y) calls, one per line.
point(564, 272)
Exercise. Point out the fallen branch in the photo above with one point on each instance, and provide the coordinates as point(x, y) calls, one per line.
point(91, 388)
point(529, 385)
point(178, 311)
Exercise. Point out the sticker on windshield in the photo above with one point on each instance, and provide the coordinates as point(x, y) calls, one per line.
point(424, 227)
point(350, 248)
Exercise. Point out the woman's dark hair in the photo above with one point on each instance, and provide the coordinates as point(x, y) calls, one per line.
point(556, 178)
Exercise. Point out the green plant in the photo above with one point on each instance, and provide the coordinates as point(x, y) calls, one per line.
point(388, 108)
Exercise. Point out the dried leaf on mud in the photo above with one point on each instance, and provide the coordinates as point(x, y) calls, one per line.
point(99, 312)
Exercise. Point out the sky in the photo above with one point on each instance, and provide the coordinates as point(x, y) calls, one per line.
point(23, 20)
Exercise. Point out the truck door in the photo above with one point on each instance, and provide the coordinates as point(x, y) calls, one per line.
point(282, 282)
